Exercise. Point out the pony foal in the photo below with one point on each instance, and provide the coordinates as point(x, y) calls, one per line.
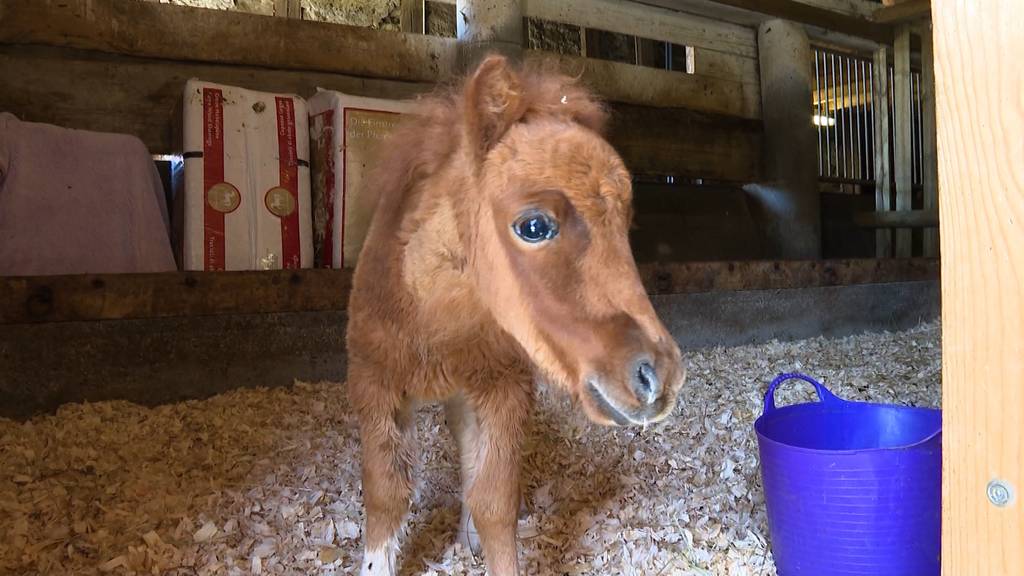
point(497, 256)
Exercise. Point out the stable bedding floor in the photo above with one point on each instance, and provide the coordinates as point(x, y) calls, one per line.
point(266, 481)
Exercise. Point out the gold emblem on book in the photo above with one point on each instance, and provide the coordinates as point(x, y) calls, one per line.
point(223, 197)
point(280, 202)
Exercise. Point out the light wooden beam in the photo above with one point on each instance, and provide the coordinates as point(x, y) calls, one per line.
point(903, 156)
point(980, 120)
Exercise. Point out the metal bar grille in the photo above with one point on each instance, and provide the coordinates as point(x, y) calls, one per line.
point(843, 115)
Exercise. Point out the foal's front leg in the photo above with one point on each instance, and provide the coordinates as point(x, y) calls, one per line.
point(463, 424)
point(492, 493)
point(387, 430)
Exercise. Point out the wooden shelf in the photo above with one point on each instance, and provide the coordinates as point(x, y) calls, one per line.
point(47, 299)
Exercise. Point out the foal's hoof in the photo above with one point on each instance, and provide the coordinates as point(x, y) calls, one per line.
point(470, 540)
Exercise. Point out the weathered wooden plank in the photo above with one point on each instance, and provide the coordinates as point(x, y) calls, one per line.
point(681, 278)
point(682, 143)
point(413, 13)
point(860, 9)
point(137, 96)
point(44, 299)
point(288, 8)
point(903, 156)
point(930, 166)
point(898, 219)
point(978, 76)
point(145, 30)
point(121, 296)
point(646, 21)
point(621, 82)
point(883, 175)
point(753, 12)
point(227, 37)
point(157, 360)
point(714, 64)
point(903, 12)
point(140, 96)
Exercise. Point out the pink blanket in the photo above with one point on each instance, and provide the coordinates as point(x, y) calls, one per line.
point(77, 202)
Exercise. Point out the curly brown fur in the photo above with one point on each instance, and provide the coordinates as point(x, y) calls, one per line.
point(450, 304)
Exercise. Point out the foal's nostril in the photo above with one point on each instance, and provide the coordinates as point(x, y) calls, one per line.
point(645, 382)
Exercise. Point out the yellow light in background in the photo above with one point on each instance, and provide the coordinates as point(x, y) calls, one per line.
point(820, 120)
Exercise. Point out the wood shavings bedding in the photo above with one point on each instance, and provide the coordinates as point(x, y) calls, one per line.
point(266, 481)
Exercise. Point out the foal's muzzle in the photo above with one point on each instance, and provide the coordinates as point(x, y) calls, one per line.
point(643, 399)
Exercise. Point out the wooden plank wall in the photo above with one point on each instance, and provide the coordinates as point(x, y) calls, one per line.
point(119, 65)
point(980, 117)
point(724, 51)
point(46, 299)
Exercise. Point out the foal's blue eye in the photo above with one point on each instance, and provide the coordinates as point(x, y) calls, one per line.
point(535, 227)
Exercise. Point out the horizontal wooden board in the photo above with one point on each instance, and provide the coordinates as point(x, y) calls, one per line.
point(141, 96)
point(724, 51)
point(158, 360)
point(45, 299)
point(683, 143)
point(234, 45)
point(814, 13)
point(684, 278)
point(121, 296)
point(898, 219)
point(106, 93)
point(227, 37)
point(636, 84)
point(714, 64)
point(646, 21)
point(859, 9)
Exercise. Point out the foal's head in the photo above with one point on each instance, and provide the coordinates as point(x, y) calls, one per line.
point(545, 219)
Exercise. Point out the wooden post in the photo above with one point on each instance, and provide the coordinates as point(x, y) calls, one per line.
point(903, 130)
point(413, 14)
point(883, 175)
point(930, 174)
point(789, 199)
point(288, 8)
point(980, 117)
point(485, 26)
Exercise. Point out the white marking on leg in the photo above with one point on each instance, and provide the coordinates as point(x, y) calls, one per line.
point(468, 536)
point(380, 561)
point(466, 430)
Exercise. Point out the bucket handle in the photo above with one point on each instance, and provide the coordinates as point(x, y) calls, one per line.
point(824, 395)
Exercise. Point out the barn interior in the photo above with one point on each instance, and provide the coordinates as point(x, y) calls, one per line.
point(785, 167)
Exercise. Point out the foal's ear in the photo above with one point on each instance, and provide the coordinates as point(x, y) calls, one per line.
point(494, 102)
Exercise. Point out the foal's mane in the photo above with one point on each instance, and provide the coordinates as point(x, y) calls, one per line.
point(441, 123)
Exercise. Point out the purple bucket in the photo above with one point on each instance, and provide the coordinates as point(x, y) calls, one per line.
point(851, 488)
